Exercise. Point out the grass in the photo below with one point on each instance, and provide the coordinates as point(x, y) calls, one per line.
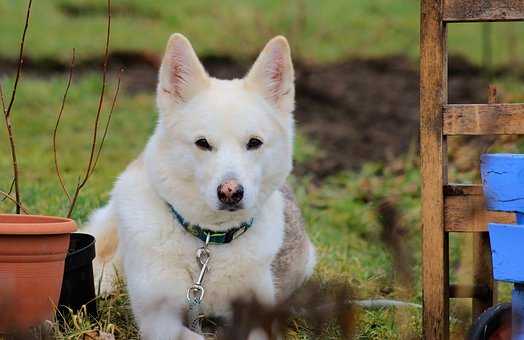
point(34, 118)
point(325, 32)
point(342, 223)
point(346, 227)
point(341, 211)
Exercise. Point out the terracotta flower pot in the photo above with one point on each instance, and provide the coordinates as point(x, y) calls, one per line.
point(32, 253)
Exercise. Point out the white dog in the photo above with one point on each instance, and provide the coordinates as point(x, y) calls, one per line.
point(215, 168)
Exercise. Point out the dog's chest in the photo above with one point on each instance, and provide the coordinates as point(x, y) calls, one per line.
point(234, 271)
point(237, 269)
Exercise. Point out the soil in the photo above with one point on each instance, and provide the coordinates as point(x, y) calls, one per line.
point(358, 110)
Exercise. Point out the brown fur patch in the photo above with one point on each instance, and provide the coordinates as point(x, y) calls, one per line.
point(289, 267)
point(106, 247)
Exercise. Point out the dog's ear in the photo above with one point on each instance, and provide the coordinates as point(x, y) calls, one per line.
point(273, 76)
point(181, 74)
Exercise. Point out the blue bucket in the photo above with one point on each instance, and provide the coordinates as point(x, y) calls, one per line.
point(503, 185)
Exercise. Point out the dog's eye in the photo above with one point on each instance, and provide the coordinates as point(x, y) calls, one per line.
point(254, 143)
point(203, 144)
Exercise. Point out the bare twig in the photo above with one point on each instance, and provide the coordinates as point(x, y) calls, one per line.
point(10, 190)
point(57, 167)
point(3, 111)
point(90, 164)
point(101, 98)
point(12, 145)
point(2, 99)
point(7, 111)
point(20, 58)
point(110, 114)
point(13, 199)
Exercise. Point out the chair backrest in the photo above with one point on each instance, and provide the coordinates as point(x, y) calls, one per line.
point(450, 207)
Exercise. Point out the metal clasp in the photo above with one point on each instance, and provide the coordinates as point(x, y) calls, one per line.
point(195, 293)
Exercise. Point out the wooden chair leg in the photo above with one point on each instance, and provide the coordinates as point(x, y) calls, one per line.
point(436, 289)
point(482, 273)
point(433, 95)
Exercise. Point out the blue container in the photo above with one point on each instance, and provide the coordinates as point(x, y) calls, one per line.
point(507, 252)
point(503, 184)
point(503, 181)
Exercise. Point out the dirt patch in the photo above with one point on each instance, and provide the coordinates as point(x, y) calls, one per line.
point(45, 68)
point(357, 111)
point(125, 10)
point(367, 110)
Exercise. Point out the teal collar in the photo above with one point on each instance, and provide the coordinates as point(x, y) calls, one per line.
point(215, 237)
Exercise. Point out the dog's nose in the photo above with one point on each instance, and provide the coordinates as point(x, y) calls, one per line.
point(230, 192)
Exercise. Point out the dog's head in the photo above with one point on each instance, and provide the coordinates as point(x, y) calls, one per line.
point(228, 142)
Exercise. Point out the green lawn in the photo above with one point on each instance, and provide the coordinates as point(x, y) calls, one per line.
point(319, 32)
point(341, 211)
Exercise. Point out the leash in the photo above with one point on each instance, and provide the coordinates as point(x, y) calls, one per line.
point(195, 293)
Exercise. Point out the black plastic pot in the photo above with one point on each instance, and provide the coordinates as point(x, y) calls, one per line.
point(493, 324)
point(78, 286)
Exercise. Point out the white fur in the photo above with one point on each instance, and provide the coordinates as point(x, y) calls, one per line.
point(157, 256)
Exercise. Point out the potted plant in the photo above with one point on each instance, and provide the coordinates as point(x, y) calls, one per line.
point(34, 248)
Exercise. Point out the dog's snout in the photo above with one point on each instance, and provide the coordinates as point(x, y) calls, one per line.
point(230, 192)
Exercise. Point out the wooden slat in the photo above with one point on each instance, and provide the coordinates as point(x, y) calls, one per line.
point(435, 249)
point(482, 274)
point(465, 210)
point(482, 266)
point(484, 119)
point(483, 10)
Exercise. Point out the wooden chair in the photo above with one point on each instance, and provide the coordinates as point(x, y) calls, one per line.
point(450, 207)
